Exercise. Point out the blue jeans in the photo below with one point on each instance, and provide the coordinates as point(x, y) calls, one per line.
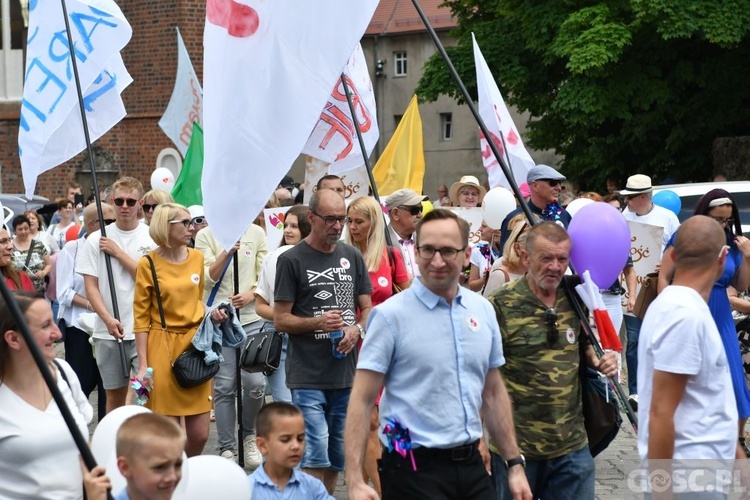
point(633, 327)
point(277, 380)
point(570, 476)
point(325, 414)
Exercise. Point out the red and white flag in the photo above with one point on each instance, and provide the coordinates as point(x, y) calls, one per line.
point(495, 114)
point(334, 139)
point(268, 70)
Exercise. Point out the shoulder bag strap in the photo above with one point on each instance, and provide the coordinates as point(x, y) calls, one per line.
point(215, 289)
point(62, 373)
point(158, 293)
point(28, 254)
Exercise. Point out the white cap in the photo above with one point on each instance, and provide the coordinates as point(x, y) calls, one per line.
point(196, 211)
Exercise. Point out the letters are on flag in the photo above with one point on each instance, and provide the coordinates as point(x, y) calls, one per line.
point(268, 72)
point(51, 127)
point(185, 105)
point(187, 188)
point(334, 138)
point(495, 114)
point(402, 163)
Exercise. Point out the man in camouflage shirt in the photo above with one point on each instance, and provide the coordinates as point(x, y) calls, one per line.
point(541, 338)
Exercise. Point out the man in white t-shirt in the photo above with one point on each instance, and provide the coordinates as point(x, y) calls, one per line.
point(126, 242)
point(638, 192)
point(687, 408)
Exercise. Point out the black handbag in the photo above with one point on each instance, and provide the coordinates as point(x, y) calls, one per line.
point(190, 368)
point(601, 414)
point(262, 350)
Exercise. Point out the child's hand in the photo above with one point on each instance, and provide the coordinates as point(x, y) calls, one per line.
point(95, 482)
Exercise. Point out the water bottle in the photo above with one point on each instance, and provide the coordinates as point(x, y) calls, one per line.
point(335, 341)
point(143, 387)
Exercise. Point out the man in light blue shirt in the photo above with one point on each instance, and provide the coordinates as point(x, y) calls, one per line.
point(436, 347)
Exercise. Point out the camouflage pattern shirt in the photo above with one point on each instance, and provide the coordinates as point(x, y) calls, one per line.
point(542, 379)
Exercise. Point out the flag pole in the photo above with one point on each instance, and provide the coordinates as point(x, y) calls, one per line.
point(49, 379)
point(524, 206)
point(124, 365)
point(362, 148)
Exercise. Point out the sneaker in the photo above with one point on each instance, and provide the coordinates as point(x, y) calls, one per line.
point(633, 400)
point(253, 458)
point(229, 455)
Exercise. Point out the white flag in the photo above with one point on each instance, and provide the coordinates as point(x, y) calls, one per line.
point(334, 139)
point(186, 104)
point(51, 128)
point(497, 118)
point(268, 71)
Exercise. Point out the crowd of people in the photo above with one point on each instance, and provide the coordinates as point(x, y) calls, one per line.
point(403, 344)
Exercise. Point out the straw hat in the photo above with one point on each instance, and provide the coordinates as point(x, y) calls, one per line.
point(637, 184)
point(466, 180)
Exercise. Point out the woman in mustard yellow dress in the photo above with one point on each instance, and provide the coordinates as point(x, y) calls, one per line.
point(179, 271)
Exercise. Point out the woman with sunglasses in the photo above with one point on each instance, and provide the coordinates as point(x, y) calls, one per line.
point(719, 205)
point(30, 255)
point(14, 279)
point(153, 199)
point(179, 271)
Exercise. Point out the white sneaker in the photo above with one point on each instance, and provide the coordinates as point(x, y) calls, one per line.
point(229, 455)
point(253, 458)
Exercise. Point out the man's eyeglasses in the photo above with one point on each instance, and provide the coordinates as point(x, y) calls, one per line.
point(413, 210)
point(726, 222)
point(553, 334)
point(631, 196)
point(148, 207)
point(107, 222)
point(199, 220)
point(121, 201)
point(330, 220)
point(553, 183)
point(447, 253)
point(184, 222)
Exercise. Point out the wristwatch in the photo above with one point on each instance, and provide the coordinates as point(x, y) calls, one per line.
point(361, 330)
point(519, 460)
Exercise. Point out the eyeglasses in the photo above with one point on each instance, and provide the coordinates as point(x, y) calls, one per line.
point(413, 210)
point(631, 196)
point(107, 222)
point(330, 220)
point(728, 222)
point(199, 220)
point(184, 222)
point(121, 201)
point(553, 183)
point(447, 253)
point(5, 241)
point(148, 207)
point(553, 334)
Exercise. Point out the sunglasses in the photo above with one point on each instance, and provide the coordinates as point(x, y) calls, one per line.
point(199, 220)
point(184, 222)
point(413, 210)
point(631, 196)
point(550, 318)
point(148, 207)
point(552, 183)
point(121, 201)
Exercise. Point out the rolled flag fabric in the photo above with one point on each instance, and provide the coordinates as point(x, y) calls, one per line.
point(592, 297)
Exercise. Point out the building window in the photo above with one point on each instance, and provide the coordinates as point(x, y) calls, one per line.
point(14, 17)
point(446, 126)
point(399, 64)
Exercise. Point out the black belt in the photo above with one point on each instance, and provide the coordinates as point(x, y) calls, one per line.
point(457, 454)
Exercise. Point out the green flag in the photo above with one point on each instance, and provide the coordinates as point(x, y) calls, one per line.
point(187, 189)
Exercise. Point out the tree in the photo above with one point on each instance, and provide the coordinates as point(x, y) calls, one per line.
point(617, 87)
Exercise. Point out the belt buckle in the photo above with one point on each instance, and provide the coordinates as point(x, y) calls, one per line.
point(462, 453)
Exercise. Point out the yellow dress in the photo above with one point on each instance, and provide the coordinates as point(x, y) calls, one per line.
point(181, 287)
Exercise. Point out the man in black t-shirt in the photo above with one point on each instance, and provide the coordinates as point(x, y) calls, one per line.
point(320, 285)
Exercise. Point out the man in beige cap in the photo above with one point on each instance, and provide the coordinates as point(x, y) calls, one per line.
point(638, 193)
point(405, 209)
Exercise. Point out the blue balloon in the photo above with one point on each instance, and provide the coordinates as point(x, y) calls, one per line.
point(669, 200)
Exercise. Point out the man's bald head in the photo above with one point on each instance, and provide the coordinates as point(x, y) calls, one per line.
point(698, 242)
point(90, 216)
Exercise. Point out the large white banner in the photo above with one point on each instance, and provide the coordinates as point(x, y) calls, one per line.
point(186, 104)
point(495, 114)
point(268, 71)
point(645, 250)
point(51, 127)
point(334, 139)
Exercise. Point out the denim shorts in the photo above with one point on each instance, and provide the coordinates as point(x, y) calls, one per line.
point(325, 414)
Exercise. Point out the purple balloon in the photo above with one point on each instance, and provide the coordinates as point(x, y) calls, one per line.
point(601, 242)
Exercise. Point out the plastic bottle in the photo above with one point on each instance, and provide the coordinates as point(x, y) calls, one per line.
point(143, 387)
point(335, 341)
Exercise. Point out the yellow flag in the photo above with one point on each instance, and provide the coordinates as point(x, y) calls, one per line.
point(402, 163)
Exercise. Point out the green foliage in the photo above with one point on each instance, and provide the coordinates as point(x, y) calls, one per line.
point(616, 87)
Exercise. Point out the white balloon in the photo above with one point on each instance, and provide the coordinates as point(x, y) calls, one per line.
point(496, 205)
point(105, 434)
point(119, 482)
point(210, 474)
point(162, 178)
point(577, 204)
